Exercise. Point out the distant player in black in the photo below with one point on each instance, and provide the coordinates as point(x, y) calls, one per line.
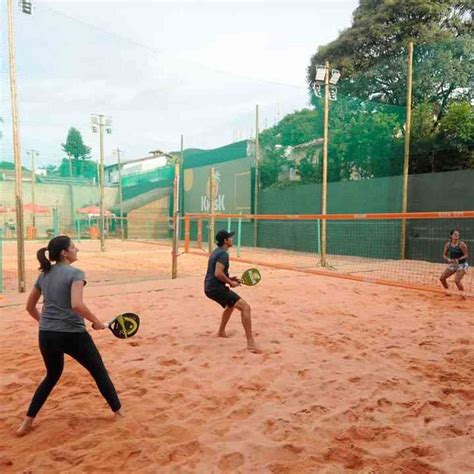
point(455, 253)
point(215, 288)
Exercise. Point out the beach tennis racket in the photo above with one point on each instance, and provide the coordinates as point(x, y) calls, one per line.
point(124, 325)
point(251, 277)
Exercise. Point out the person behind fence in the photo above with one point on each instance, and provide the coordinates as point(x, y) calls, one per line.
point(216, 287)
point(456, 254)
point(62, 328)
point(10, 228)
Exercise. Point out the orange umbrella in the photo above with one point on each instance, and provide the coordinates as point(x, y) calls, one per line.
point(36, 208)
point(93, 210)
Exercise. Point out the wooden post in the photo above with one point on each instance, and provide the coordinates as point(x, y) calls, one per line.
point(20, 236)
point(406, 162)
point(101, 184)
point(187, 225)
point(33, 183)
point(175, 250)
point(257, 177)
point(211, 204)
point(199, 232)
point(122, 232)
point(324, 186)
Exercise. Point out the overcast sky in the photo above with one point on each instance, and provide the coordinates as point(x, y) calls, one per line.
point(161, 69)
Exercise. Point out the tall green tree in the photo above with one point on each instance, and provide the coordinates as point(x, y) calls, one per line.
point(372, 57)
point(371, 54)
point(76, 150)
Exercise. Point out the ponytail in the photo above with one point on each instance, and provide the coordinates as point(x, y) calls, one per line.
point(54, 249)
point(45, 264)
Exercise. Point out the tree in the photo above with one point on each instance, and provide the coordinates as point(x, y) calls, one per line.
point(84, 169)
point(372, 57)
point(76, 150)
point(371, 54)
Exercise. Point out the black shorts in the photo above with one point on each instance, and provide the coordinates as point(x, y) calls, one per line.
point(225, 297)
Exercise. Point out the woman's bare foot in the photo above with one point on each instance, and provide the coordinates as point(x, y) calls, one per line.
point(25, 427)
point(222, 334)
point(252, 347)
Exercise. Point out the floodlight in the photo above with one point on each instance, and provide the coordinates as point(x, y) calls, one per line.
point(26, 7)
point(317, 89)
point(320, 73)
point(335, 75)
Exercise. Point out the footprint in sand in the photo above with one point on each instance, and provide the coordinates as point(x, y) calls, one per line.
point(167, 361)
point(184, 451)
point(137, 392)
point(242, 413)
point(231, 461)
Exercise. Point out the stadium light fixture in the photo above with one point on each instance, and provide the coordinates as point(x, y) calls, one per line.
point(320, 73)
point(26, 7)
point(335, 76)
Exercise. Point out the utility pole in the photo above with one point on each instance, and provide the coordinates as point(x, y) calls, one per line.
point(102, 122)
point(324, 187)
point(20, 237)
point(119, 164)
point(71, 194)
point(33, 154)
point(326, 76)
point(257, 177)
point(177, 162)
point(212, 211)
point(406, 162)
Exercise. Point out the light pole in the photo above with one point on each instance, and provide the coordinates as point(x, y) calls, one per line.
point(257, 175)
point(99, 123)
point(406, 161)
point(119, 164)
point(33, 154)
point(176, 161)
point(20, 237)
point(329, 78)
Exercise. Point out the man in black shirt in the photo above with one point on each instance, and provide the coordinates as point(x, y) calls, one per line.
point(215, 288)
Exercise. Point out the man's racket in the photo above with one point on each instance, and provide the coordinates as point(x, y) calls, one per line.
point(124, 325)
point(251, 277)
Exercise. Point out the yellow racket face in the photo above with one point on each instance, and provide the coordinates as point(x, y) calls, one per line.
point(125, 325)
point(251, 277)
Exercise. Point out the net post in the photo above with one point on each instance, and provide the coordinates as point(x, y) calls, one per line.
point(406, 161)
point(174, 251)
point(325, 166)
point(77, 225)
point(55, 221)
point(1, 260)
point(239, 234)
point(199, 232)
point(318, 226)
point(257, 176)
point(212, 221)
point(187, 225)
point(229, 224)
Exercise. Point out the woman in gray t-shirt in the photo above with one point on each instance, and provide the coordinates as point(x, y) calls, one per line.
point(62, 329)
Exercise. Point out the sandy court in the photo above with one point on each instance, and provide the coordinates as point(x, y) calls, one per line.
point(354, 378)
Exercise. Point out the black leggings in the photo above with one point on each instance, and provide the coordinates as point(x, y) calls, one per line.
point(80, 346)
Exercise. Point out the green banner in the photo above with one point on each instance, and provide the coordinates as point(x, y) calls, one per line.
point(231, 187)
